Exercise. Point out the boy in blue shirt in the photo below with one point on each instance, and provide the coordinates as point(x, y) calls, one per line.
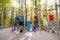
point(21, 23)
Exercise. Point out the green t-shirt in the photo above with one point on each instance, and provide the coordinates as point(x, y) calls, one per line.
point(16, 19)
point(44, 19)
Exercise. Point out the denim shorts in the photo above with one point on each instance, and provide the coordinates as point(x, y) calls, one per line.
point(45, 23)
point(52, 23)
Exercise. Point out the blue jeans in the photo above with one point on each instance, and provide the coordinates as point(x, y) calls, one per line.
point(15, 26)
point(28, 26)
point(35, 25)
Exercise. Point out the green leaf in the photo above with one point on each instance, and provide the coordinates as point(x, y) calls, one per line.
point(5, 3)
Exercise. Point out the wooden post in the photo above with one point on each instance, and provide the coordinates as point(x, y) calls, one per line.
point(56, 9)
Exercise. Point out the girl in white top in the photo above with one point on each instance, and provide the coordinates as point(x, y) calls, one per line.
point(28, 22)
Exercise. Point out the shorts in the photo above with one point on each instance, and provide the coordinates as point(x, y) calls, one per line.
point(52, 23)
point(21, 23)
point(45, 23)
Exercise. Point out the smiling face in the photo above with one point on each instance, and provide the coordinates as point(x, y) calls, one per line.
point(35, 14)
point(44, 15)
point(16, 14)
point(22, 14)
point(50, 13)
point(28, 14)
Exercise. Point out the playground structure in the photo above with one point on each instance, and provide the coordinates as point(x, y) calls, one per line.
point(8, 13)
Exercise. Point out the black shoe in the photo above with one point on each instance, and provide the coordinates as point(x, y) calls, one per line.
point(53, 32)
point(45, 30)
point(48, 31)
point(21, 31)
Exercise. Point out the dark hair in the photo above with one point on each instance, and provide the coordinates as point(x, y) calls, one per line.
point(44, 15)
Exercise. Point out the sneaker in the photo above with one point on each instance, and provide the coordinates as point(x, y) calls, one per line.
point(48, 31)
point(45, 30)
point(53, 32)
point(21, 31)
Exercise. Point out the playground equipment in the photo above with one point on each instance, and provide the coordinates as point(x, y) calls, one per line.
point(25, 13)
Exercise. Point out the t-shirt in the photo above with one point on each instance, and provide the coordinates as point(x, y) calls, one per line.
point(35, 18)
point(44, 19)
point(16, 19)
point(28, 17)
point(22, 18)
point(51, 18)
